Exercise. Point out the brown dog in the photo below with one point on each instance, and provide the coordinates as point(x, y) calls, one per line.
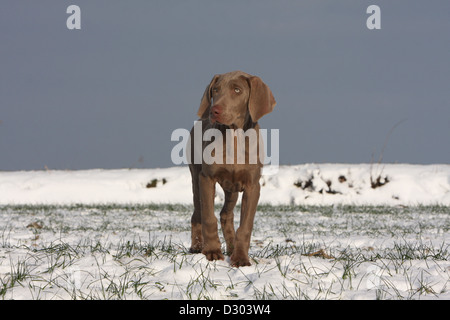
point(234, 100)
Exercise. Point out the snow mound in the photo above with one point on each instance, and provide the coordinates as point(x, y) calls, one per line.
point(308, 184)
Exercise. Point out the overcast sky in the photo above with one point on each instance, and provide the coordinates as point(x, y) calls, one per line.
point(110, 95)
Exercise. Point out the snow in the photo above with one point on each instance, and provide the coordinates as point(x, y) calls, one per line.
point(321, 232)
point(407, 185)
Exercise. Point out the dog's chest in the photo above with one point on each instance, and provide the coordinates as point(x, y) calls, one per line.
point(236, 180)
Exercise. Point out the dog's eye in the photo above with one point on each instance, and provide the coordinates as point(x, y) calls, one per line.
point(237, 90)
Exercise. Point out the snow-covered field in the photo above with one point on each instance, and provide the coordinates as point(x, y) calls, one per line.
point(310, 184)
point(322, 231)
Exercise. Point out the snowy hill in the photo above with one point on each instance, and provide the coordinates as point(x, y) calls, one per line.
point(309, 184)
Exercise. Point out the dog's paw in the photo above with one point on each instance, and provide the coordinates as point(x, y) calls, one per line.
point(239, 260)
point(196, 247)
point(212, 255)
point(195, 250)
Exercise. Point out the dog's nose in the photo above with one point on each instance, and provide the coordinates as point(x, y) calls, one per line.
point(216, 110)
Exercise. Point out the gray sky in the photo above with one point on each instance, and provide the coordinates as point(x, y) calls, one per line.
point(110, 95)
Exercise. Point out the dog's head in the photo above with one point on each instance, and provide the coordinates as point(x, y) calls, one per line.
point(234, 98)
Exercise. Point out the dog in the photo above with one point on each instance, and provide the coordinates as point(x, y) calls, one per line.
point(232, 102)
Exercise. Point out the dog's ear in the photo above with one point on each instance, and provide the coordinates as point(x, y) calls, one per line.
point(261, 100)
point(203, 111)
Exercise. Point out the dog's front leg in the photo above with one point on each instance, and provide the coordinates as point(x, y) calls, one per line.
point(211, 243)
point(250, 200)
